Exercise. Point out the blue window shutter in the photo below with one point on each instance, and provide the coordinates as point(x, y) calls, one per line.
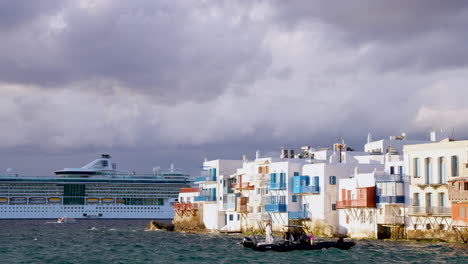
point(316, 180)
point(283, 177)
point(273, 177)
point(294, 199)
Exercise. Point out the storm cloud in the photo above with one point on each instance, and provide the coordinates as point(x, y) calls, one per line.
point(160, 81)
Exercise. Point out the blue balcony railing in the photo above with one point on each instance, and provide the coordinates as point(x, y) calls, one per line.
point(204, 199)
point(277, 186)
point(390, 199)
point(275, 208)
point(298, 215)
point(307, 190)
point(204, 179)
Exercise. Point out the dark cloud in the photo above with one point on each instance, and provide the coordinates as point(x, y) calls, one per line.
point(168, 50)
point(158, 81)
point(19, 13)
point(400, 35)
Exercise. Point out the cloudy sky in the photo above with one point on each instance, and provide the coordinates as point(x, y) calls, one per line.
point(155, 82)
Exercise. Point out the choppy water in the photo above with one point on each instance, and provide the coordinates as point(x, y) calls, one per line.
point(127, 242)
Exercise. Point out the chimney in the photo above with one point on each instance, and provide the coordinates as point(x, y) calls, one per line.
point(257, 154)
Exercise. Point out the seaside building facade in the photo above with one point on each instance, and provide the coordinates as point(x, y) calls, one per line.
point(396, 188)
point(430, 166)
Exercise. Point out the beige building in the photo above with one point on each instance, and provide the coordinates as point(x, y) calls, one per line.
point(430, 166)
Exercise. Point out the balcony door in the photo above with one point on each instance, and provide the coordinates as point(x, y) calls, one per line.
point(428, 200)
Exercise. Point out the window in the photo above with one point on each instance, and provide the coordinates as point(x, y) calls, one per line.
point(400, 169)
point(416, 167)
point(333, 207)
point(238, 217)
point(441, 170)
point(454, 166)
point(294, 199)
point(428, 169)
point(332, 180)
point(392, 170)
point(416, 199)
point(428, 199)
point(231, 217)
point(442, 199)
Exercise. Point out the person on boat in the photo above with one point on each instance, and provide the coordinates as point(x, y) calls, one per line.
point(311, 238)
point(340, 239)
point(269, 234)
point(287, 237)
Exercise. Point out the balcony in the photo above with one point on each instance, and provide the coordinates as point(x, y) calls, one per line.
point(243, 186)
point(458, 190)
point(425, 211)
point(354, 204)
point(204, 179)
point(391, 220)
point(275, 208)
point(204, 199)
point(189, 190)
point(390, 199)
point(277, 186)
point(298, 215)
point(185, 206)
point(307, 190)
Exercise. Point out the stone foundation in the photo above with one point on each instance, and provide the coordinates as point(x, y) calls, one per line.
point(189, 222)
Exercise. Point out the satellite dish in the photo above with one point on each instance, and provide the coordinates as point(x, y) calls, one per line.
point(9, 170)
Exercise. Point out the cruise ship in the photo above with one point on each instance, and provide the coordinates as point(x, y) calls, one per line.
point(96, 191)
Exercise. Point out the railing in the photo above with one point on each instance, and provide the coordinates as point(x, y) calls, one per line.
point(420, 210)
point(204, 199)
point(390, 178)
point(307, 189)
point(457, 190)
point(275, 208)
point(185, 206)
point(189, 190)
point(262, 177)
point(298, 215)
point(354, 203)
point(229, 206)
point(203, 179)
point(243, 186)
point(391, 220)
point(277, 186)
point(390, 199)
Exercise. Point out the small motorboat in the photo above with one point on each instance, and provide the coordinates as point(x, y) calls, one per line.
point(296, 244)
point(281, 247)
point(66, 220)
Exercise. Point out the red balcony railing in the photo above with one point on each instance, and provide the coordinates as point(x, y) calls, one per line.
point(189, 190)
point(185, 206)
point(354, 203)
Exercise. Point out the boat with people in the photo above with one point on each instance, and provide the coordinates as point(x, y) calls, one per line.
point(297, 240)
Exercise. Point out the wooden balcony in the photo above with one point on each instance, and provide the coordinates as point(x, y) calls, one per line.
point(458, 189)
point(242, 186)
point(354, 204)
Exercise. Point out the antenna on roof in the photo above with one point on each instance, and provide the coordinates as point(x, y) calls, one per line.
point(453, 132)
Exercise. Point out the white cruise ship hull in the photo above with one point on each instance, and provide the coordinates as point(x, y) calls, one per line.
point(86, 211)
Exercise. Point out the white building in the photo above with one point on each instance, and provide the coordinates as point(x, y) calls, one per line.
point(430, 166)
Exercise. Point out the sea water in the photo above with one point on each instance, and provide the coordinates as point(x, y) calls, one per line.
point(122, 241)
